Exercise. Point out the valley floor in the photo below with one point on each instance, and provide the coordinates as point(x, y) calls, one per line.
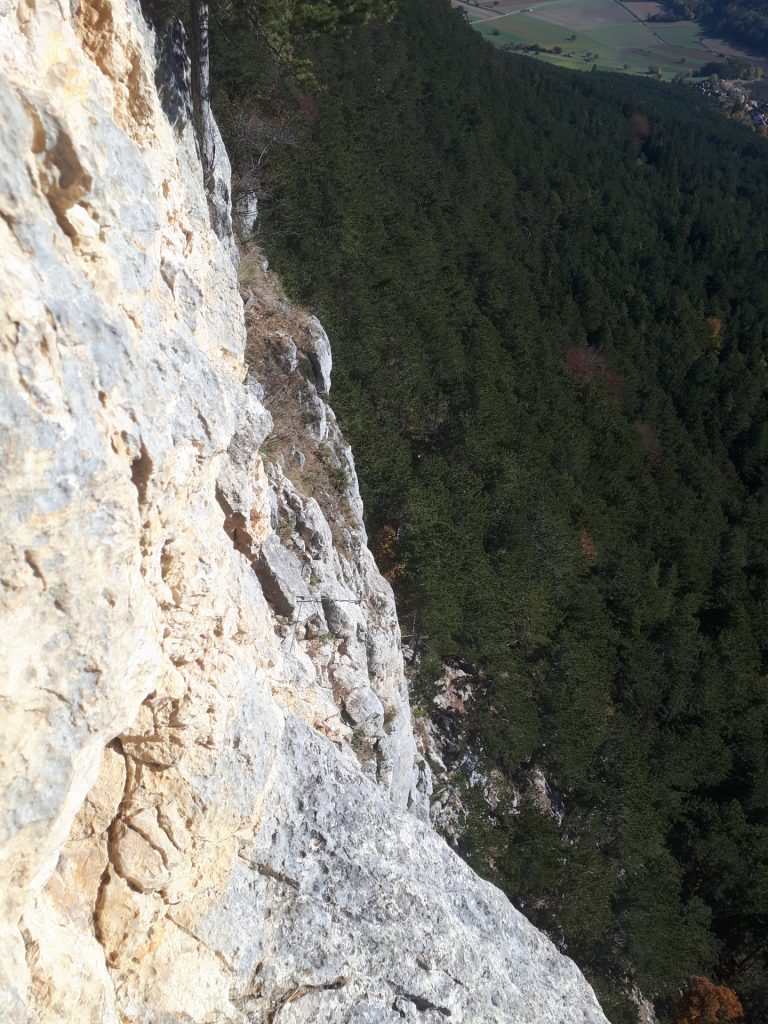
point(614, 36)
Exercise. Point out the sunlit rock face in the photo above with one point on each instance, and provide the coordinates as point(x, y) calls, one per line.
point(209, 807)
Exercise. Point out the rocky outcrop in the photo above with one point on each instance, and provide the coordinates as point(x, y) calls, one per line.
point(442, 732)
point(207, 772)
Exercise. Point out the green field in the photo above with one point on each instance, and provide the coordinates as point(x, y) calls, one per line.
point(526, 29)
point(594, 32)
point(686, 34)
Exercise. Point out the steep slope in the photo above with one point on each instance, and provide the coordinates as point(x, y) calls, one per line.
point(548, 296)
point(207, 760)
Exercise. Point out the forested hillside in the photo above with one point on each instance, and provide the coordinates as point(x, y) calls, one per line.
point(548, 299)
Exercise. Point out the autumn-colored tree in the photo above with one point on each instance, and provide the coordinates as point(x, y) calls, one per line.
point(704, 1002)
point(384, 544)
point(639, 127)
point(588, 546)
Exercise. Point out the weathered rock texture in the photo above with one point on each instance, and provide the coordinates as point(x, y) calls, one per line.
point(207, 760)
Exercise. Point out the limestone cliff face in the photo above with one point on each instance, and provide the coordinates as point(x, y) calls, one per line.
point(209, 804)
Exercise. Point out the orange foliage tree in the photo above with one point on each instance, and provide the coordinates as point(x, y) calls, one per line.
point(704, 1002)
point(384, 546)
point(588, 546)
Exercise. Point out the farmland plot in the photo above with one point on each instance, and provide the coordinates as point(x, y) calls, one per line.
point(607, 34)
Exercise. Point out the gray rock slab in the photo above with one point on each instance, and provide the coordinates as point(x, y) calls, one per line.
point(373, 918)
point(279, 572)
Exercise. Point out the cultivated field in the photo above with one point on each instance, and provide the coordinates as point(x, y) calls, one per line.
point(612, 35)
point(642, 11)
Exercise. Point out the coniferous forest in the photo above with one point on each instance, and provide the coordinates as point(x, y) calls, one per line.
point(547, 294)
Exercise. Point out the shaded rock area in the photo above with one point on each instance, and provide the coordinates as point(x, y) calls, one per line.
point(210, 799)
point(456, 767)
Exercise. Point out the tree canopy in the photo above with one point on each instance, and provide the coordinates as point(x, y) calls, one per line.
point(548, 299)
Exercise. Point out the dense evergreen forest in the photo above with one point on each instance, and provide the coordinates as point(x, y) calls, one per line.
point(548, 299)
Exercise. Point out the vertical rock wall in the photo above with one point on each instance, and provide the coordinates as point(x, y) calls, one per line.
point(206, 755)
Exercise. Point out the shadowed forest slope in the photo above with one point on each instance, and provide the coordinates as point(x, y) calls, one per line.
point(548, 299)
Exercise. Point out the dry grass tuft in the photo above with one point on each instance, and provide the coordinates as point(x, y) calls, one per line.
point(278, 341)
